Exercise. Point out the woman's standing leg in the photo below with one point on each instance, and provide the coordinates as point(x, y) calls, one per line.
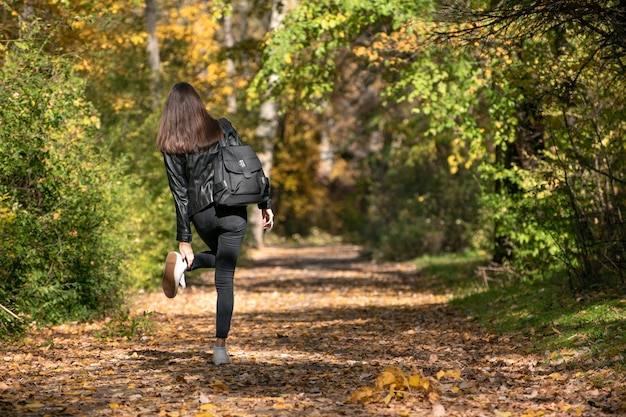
point(232, 224)
point(223, 230)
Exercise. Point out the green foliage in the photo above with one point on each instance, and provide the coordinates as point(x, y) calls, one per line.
point(453, 273)
point(60, 212)
point(557, 132)
point(299, 60)
point(587, 167)
point(427, 201)
point(295, 184)
point(151, 233)
point(572, 327)
point(419, 208)
point(150, 220)
point(538, 112)
point(306, 59)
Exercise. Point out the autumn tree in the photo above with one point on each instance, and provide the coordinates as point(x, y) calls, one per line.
point(566, 58)
point(526, 93)
point(365, 70)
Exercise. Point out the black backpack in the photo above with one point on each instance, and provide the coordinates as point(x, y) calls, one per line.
point(238, 179)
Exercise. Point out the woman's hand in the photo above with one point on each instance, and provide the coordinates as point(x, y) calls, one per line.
point(186, 251)
point(268, 218)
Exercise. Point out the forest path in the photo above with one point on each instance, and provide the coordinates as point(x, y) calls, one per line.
point(313, 327)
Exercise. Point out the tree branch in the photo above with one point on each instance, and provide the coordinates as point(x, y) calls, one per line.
point(10, 312)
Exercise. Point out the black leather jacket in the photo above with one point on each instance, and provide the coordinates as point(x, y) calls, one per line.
point(190, 178)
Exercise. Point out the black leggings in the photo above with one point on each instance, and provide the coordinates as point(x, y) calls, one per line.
point(223, 230)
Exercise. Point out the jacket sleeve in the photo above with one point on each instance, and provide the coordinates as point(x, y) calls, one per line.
point(175, 166)
point(265, 205)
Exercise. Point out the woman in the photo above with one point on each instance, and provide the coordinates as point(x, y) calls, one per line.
point(188, 138)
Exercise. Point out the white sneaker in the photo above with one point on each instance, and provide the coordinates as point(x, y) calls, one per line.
point(174, 274)
point(220, 356)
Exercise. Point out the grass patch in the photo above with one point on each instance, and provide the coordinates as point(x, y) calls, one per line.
point(453, 273)
point(571, 326)
point(316, 237)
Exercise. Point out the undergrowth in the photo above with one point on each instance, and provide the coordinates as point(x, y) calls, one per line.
point(581, 329)
point(125, 326)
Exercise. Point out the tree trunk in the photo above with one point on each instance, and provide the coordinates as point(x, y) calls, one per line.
point(327, 154)
point(267, 129)
point(154, 60)
point(229, 42)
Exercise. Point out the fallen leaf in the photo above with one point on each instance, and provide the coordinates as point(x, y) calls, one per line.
point(361, 395)
point(438, 411)
point(218, 386)
point(33, 406)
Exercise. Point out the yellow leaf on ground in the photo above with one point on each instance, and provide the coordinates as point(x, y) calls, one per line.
point(414, 381)
point(402, 395)
point(425, 384)
point(433, 397)
point(219, 386)
point(385, 378)
point(453, 374)
point(449, 374)
point(361, 395)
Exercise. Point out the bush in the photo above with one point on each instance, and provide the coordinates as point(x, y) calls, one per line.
point(422, 209)
point(150, 219)
point(60, 211)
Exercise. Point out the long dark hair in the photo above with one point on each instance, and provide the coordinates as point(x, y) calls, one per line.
point(186, 126)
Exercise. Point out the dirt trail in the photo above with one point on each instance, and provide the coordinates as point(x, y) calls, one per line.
point(311, 326)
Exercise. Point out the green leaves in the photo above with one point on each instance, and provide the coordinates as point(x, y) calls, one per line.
point(57, 221)
point(300, 56)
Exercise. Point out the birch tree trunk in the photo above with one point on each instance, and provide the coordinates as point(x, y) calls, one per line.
point(327, 153)
point(154, 59)
point(229, 42)
point(268, 128)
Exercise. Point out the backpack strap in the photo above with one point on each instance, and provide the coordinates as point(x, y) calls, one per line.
point(230, 138)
